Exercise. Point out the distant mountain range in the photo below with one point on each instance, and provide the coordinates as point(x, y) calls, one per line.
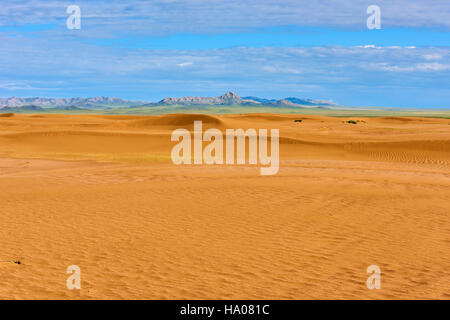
point(229, 98)
point(89, 103)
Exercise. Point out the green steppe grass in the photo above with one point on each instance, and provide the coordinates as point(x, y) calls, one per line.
point(240, 109)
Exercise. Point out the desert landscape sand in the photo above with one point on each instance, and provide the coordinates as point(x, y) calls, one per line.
point(102, 193)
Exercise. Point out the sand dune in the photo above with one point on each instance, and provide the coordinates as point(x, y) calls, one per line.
point(102, 193)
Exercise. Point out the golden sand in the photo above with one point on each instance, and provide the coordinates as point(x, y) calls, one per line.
point(102, 193)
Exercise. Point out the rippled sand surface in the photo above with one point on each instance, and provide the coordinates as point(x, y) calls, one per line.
point(101, 192)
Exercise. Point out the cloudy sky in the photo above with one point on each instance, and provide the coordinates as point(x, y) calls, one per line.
point(148, 50)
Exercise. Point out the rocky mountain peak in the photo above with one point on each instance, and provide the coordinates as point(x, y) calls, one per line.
point(230, 97)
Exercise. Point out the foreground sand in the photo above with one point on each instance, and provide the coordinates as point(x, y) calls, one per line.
point(101, 192)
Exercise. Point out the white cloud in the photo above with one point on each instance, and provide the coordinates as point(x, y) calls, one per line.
point(271, 69)
point(393, 68)
point(21, 86)
point(432, 56)
point(15, 86)
point(433, 66)
point(162, 16)
point(185, 64)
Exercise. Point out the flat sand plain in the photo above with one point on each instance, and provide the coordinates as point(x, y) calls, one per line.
point(102, 193)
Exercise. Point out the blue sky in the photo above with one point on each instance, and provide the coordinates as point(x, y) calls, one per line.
point(147, 50)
